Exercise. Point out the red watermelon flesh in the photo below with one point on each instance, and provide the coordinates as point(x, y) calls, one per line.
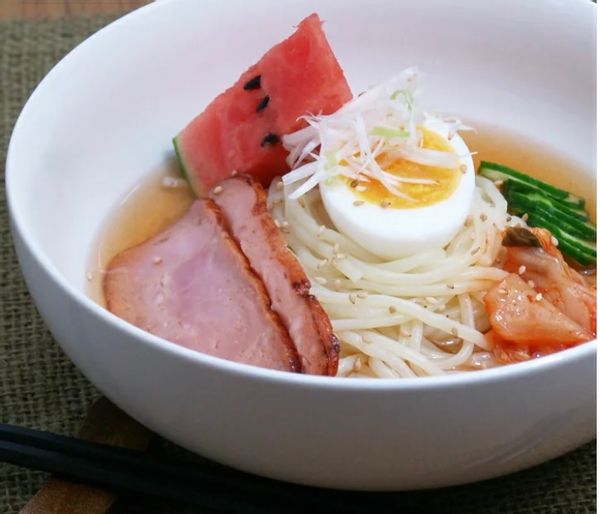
point(241, 129)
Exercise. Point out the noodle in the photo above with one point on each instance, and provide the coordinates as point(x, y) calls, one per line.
point(418, 315)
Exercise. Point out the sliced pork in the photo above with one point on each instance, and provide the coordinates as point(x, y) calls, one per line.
point(243, 202)
point(191, 285)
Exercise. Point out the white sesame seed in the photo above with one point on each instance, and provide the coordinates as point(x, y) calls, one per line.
point(352, 298)
point(173, 182)
point(322, 263)
point(522, 269)
point(234, 173)
point(279, 185)
point(361, 189)
point(357, 203)
point(157, 260)
point(502, 291)
point(340, 256)
point(475, 250)
point(498, 183)
point(531, 283)
point(538, 297)
point(392, 309)
point(217, 190)
point(431, 299)
point(362, 294)
point(454, 332)
point(321, 280)
point(525, 217)
point(277, 223)
point(554, 241)
point(285, 223)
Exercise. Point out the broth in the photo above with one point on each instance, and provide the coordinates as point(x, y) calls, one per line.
point(535, 159)
point(150, 206)
point(146, 210)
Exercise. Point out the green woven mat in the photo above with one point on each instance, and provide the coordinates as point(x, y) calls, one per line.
point(39, 387)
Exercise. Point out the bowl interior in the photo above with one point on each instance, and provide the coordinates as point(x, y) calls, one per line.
point(104, 117)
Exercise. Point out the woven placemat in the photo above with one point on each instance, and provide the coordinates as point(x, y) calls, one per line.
point(39, 387)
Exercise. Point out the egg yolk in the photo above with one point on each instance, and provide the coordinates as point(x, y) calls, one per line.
point(446, 179)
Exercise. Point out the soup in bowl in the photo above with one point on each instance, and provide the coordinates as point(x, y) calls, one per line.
point(407, 253)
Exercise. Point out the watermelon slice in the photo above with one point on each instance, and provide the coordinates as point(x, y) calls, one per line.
point(241, 129)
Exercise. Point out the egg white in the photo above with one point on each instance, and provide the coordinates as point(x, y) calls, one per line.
point(395, 232)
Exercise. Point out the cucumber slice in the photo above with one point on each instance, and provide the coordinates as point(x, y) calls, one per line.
point(495, 172)
point(537, 197)
point(549, 207)
point(582, 251)
point(520, 204)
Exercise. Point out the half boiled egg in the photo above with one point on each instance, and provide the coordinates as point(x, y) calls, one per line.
point(392, 178)
point(433, 210)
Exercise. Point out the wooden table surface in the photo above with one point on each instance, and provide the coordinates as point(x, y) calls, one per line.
point(32, 9)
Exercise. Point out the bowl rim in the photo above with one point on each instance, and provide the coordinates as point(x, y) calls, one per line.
point(18, 227)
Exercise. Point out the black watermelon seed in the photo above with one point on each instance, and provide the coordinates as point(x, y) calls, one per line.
point(253, 83)
point(262, 104)
point(270, 139)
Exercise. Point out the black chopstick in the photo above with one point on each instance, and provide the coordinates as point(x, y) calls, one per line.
point(132, 459)
point(122, 480)
point(133, 471)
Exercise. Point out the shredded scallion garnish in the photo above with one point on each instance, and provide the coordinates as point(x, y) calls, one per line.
point(384, 120)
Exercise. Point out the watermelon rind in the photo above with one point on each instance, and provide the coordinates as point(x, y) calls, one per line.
point(183, 168)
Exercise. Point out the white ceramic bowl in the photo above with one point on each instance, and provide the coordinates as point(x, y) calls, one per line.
point(104, 117)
